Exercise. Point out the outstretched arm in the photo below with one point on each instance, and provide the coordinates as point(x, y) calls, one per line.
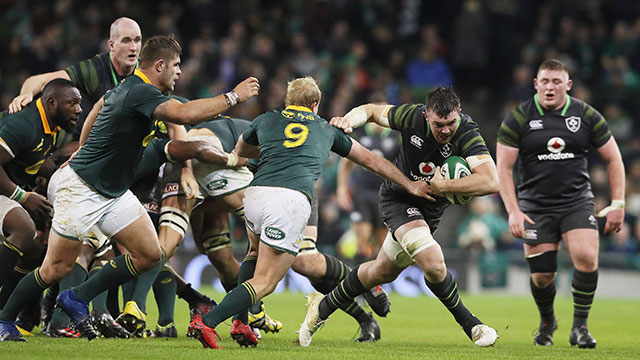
point(384, 168)
point(482, 181)
point(33, 86)
point(200, 110)
point(361, 115)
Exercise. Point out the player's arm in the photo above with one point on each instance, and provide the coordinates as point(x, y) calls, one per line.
point(89, 121)
point(506, 157)
point(615, 167)
point(187, 180)
point(33, 86)
point(246, 150)
point(361, 115)
point(384, 168)
point(482, 181)
point(31, 201)
point(200, 110)
point(343, 194)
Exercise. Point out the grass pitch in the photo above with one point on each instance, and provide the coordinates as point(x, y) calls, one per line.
point(416, 328)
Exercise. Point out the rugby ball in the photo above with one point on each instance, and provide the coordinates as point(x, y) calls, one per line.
point(455, 167)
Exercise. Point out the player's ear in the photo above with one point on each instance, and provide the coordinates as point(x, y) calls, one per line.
point(110, 45)
point(52, 103)
point(160, 65)
point(569, 84)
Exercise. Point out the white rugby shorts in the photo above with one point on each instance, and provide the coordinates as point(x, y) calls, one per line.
point(279, 215)
point(78, 207)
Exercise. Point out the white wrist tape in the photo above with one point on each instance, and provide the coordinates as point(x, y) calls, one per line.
point(615, 205)
point(232, 159)
point(357, 117)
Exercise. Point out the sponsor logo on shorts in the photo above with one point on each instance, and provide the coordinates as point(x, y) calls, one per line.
point(536, 124)
point(573, 123)
point(445, 150)
point(274, 233)
point(171, 188)
point(217, 184)
point(416, 141)
point(412, 211)
point(592, 219)
point(297, 243)
point(151, 206)
point(531, 234)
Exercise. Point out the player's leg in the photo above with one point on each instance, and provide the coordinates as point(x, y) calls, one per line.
point(363, 231)
point(58, 262)
point(325, 272)
point(541, 252)
point(164, 290)
point(18, 230)
point(580, 234)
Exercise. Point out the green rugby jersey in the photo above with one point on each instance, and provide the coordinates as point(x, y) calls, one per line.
point(294, 145)
point(420, 153)
point(553, 147)
point(26, 135)
point(227, 130)
point(110, 157)
point(94, 77)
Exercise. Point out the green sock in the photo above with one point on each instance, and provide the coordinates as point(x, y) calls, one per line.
point(229, 285)
point(119, 270)
point(76, 277)
point(128, 289)
point(99, 303)
point(144, 283)
point(247, 268)
point(10, 283)
point(237, 300)
point(29, 287)
point(164, 290)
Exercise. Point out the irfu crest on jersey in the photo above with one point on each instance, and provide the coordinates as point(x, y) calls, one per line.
point(445, 150)
point(573, 123)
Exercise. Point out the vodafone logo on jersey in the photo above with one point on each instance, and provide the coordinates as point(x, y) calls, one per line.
point(555, 146)
point(427, 168)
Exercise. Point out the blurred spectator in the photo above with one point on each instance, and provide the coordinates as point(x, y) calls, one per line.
point(483, 229)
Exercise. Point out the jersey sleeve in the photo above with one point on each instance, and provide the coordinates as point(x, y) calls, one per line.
point(341, 143)
point(402, 117)
point(600, 132)
point(250, 136)
point(15, 136)
point(470, 142)
point(84, 75)
point(509, 131)
point(144, 98)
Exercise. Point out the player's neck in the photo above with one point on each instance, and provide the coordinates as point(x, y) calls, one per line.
point(122, 70)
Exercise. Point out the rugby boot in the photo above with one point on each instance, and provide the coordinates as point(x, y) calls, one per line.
point(206, 335)
point(242, 334)
point(580, 336)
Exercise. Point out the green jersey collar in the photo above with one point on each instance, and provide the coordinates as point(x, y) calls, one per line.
point(298, 108)
point(564, 109)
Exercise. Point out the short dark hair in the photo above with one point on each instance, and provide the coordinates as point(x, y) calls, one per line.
point(53, 86)
point(442, 101)
point(554, 65)
point(159, 47)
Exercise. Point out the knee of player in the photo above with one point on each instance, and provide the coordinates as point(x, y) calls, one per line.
point(543, 280)
point(436, 272)
point(587, 263)
point(54, 271)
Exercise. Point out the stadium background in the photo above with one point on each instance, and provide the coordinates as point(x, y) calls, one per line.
point(374, 50)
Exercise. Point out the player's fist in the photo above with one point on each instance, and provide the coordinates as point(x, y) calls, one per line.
point(37, 204)
point(341, 122)
point(247, 89)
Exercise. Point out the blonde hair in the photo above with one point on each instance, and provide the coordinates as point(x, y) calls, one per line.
point(302, 92)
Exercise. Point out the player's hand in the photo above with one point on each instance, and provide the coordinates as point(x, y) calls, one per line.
point(189, 183)
point(516, 223)
point(341, 122)
point(19, 102)
point(615, 218)
point(437, 182)
point(247, 89)
point(421, 189)
point(37, 204)
point(239, 160)
point(70, 158)
point(343, 198)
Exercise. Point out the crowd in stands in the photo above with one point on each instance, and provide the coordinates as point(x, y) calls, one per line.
point(368, 50)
